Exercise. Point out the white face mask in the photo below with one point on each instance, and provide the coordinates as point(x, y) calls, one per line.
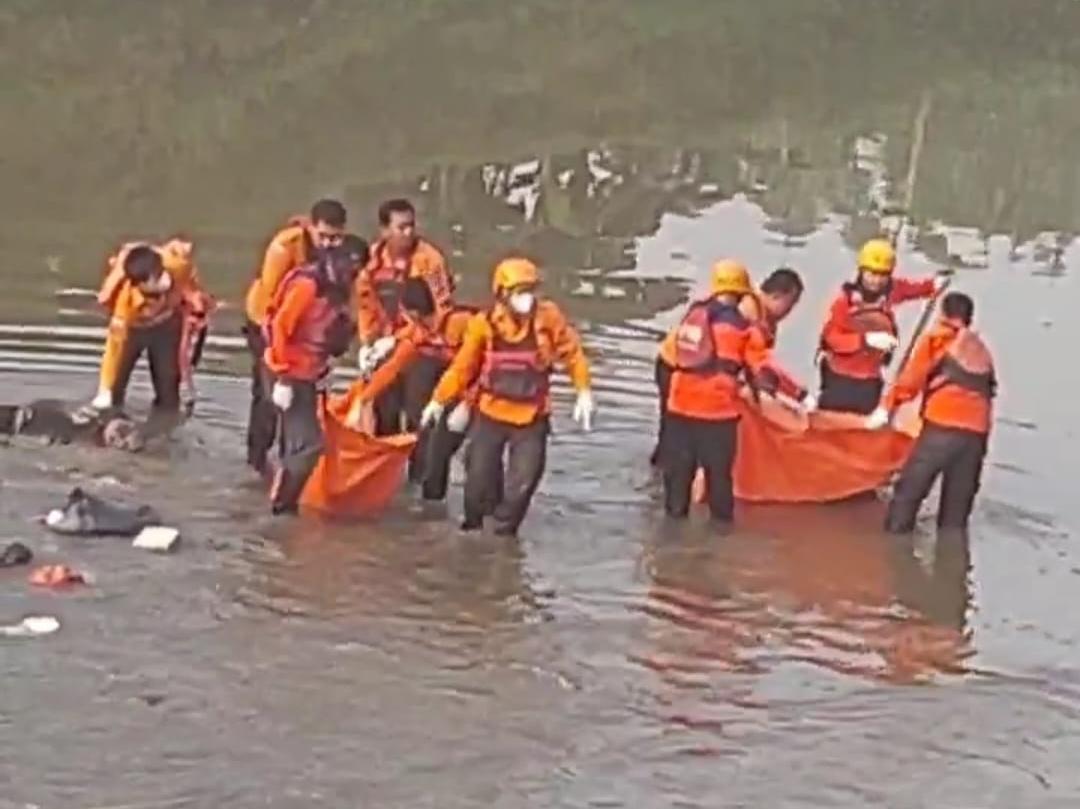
point(522, 302)
point(163, 283)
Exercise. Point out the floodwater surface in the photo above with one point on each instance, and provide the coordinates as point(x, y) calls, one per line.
point(605, 660)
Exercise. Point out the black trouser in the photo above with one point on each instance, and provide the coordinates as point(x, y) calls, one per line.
point(491, 490)
point(662, 374)
point(956, 455)
point(847, 393)
point(389, 407)
point(161, 343)
point(300, 445)
point(418, 383)
point(690, 444)
point(262, 416)
point(440, 445)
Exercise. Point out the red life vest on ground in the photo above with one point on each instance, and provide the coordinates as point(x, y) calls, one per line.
point(515, 371)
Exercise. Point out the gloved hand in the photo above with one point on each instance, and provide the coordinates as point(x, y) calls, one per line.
point(808, 404)
point(584, 409)
point(103, 400)
point(878, 419)
point(458, 420)
point(382, 347)
point(282, 395)
point(941, 280)
point(431, 414)
point(881, 340)
point(187, 393)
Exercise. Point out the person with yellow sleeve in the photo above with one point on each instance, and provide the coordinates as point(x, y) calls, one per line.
point(509, 351)
point(157, 306)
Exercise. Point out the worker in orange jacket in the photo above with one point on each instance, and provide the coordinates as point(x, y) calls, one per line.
point(765, 308)
point(717, 350)
point(509, 352)
point(302, 241)
point(156, 305)
point(398, 254)
point(308, 322)
point(953, 370)
point(425, 345)
point(860, 332)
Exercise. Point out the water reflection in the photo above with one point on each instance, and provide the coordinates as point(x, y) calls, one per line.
point(820, 586)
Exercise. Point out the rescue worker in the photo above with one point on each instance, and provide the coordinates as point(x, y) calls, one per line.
point(425, 346)
point(308, 322)
point(398, 254)
point(717, 349)
point(509, 351)
point(765, 308)
point(158, 307)
point(302, 241)
point(953, 370)
point(860, 332)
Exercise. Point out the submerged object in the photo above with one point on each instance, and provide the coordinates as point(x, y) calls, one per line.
point(85, 514)
point(54, 421)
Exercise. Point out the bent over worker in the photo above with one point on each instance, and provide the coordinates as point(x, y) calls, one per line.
point(424, 348)
point(302, 241)
point(398, 255)
point(860, 332)
point(509, 352)
point(157, 307)
point(308, 322)
point(953, 370)
point(765, 308)
point(717, 348)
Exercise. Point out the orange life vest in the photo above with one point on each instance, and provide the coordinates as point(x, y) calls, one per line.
point(696, 350)
point(436, 345)
point(517, 371)
point(967, 364)
point(865, 317)
point(326, 330)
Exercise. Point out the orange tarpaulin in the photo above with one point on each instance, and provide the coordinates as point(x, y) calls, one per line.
point(358, 475)
point(784, 457)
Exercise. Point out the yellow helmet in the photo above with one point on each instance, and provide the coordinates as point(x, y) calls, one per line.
point(877, 255)
point(514, 272)
point(730, 277)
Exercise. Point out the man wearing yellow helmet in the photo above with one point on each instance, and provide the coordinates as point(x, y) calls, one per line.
point(717, 348)
point(860, 332)
point(509, 352)
point(765, 307)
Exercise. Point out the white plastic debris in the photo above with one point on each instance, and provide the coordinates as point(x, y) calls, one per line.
point(54, 518)
point(159, 538)
point(30, 626)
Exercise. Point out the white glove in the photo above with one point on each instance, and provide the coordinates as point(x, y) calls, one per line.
point(187, 393)
point(881, 340)
point(458, 420)
point(809, 404)
point(584, 409)
point(432, 413)
point(103, 400)
point(382, 347)
point(282, 395)
point(878, 419)
point(941, 280)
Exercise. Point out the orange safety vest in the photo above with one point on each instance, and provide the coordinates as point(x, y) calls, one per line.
point(326, 329)
point(516, 372)
point(696, 350)
point(435, 344)
point(961, 387)
point(864, 317)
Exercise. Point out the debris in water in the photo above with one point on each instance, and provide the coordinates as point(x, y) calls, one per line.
point(30, 626)
point(56, 576)
point(157, 538)
point(15, 554)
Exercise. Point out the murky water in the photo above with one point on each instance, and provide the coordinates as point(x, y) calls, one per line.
point(807, 661)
